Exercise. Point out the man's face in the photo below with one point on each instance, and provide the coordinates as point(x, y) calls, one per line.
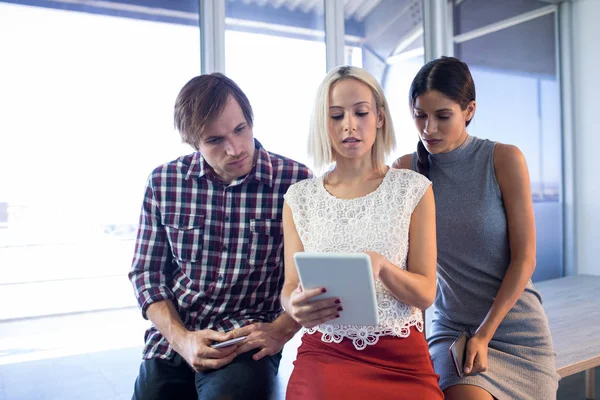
point(227, 144)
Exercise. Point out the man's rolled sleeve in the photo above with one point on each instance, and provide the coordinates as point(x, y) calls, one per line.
point(149, 296)
point(149, 272)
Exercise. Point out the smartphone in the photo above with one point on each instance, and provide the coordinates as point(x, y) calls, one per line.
point(230, 342)
point(458, 352)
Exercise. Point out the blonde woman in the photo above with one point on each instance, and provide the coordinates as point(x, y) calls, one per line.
point(361, 205)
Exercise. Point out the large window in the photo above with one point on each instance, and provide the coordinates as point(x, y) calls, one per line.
point(391, 48)
point(469, 15)
point(87, 90)
point(87, 101)
point(275, 51)
point(518, 99)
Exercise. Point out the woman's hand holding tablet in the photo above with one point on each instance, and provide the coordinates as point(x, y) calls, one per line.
point(347, 277)
point(308, 311)
point(377, 263)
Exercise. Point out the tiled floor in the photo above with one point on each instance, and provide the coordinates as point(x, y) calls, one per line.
point(105, 375)
point(96, 356)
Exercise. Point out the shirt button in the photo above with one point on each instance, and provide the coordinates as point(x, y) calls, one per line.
point(224, 248)
point(220, 278)
point(227, 219)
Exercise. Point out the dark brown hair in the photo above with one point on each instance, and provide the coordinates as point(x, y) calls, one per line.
point(202, 100)
point(449, 76)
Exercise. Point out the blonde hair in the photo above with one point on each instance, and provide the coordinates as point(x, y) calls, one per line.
point(319, 143)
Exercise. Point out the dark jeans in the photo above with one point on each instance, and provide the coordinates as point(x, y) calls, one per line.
point(242, 379)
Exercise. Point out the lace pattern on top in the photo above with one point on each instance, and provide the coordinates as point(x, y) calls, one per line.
point(376, 222)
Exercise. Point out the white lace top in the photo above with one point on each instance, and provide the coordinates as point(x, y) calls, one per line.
point(376, 222)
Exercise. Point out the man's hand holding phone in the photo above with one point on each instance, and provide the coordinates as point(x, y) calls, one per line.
point(266, 337)
point(227, 343)
point(207, 349)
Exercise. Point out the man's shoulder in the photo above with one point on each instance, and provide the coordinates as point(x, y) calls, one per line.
point(177, 167)
point(287, 169)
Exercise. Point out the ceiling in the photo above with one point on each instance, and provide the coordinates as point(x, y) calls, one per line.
point(355, 9)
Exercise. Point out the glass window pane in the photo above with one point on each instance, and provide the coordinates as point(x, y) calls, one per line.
point(390, 47)
point(275, 51)
point(473, 14)
point(518, 102)
point(527, 48)
point(87, 112)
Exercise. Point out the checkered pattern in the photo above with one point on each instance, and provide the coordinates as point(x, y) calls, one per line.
point(215, 250)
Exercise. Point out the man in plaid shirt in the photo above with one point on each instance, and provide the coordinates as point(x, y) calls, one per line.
point(208, 263)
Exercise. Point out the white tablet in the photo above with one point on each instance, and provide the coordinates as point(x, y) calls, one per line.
point(347, 276)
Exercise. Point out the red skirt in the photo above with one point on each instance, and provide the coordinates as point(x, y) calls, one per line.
point(393, 368)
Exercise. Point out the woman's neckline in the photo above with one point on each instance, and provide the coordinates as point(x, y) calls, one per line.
point(329, 194)
point(455, 155)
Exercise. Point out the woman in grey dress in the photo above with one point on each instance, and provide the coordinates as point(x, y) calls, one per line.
point(486, 247)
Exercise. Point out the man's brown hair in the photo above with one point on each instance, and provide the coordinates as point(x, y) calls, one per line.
point(202, 100)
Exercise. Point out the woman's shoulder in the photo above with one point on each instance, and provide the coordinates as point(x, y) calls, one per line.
point(306, 182)
point(403, 176)
point(403, 162)
point(507, 153)
point(304, 186)
point(510, 165)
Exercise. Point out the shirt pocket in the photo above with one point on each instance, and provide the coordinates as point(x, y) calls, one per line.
point(266, 242)
point(185, 233)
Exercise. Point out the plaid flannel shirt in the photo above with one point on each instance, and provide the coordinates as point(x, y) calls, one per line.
point(214, 249)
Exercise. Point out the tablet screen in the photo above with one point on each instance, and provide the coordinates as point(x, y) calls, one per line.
point(347, 276)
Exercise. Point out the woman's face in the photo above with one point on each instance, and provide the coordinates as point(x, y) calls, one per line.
point(440, 121)
point(353, 119)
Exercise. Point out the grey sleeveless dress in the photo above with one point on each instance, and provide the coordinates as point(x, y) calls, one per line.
point(473, 256)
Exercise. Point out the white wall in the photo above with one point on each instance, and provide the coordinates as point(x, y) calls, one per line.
point(586, 123)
